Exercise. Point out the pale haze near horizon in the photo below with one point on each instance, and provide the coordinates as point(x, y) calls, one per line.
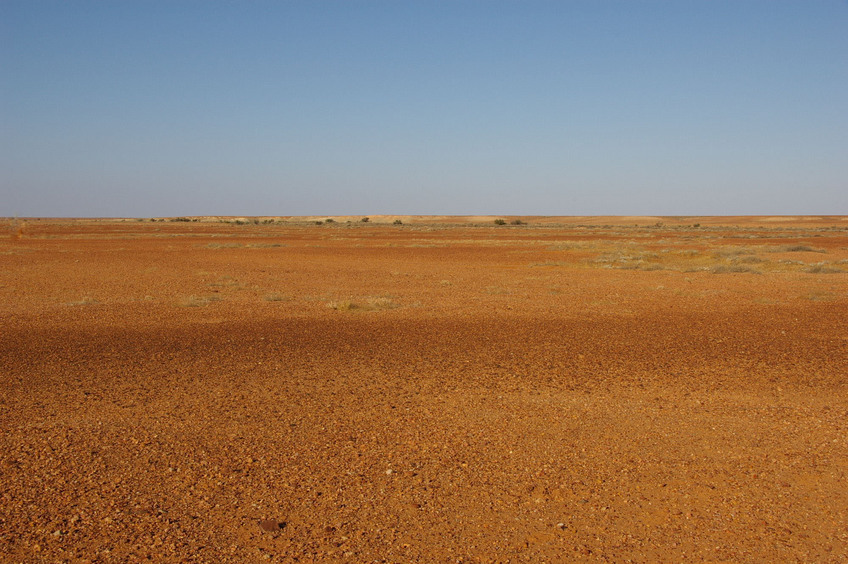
point(137, 109)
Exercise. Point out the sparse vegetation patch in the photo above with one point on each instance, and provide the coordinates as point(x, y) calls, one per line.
point(224, 245)
point(823, 268)
point(87, 300)
point(734, 269)
point(373, 303)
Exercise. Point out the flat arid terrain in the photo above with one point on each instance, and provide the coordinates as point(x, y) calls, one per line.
point(424, 389)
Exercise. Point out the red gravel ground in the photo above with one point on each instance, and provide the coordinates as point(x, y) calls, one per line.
point(572, 389)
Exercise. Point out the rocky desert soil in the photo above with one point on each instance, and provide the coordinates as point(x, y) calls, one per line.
point(439, 390)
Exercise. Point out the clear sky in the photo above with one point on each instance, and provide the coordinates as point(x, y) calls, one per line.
point(147, 108)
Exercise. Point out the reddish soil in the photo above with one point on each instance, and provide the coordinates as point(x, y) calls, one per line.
point(574, 389)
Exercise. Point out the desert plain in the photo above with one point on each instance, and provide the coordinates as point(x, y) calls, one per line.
point(424, 389)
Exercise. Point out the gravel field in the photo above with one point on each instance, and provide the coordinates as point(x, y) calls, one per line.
point(439, 390)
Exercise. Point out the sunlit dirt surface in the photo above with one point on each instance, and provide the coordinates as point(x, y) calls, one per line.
point(439, 390)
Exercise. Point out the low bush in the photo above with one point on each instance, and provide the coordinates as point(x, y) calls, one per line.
point(734, 269)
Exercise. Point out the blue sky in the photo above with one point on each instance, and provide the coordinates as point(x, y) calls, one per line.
point(466, 107)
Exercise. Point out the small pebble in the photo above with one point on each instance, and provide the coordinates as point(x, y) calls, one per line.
point(271, 525)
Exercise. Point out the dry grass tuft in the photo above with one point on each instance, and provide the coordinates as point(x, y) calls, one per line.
point(749, 259)
point(381, 303)
point(796, 249)
point(823, 268)
point(342, 305)
point(550, 263)
point(497, 291)
point(727, 252)
point(734, 269)
point(226, 282)
point(224, 246)
point(87, 300)
point(377, 303)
